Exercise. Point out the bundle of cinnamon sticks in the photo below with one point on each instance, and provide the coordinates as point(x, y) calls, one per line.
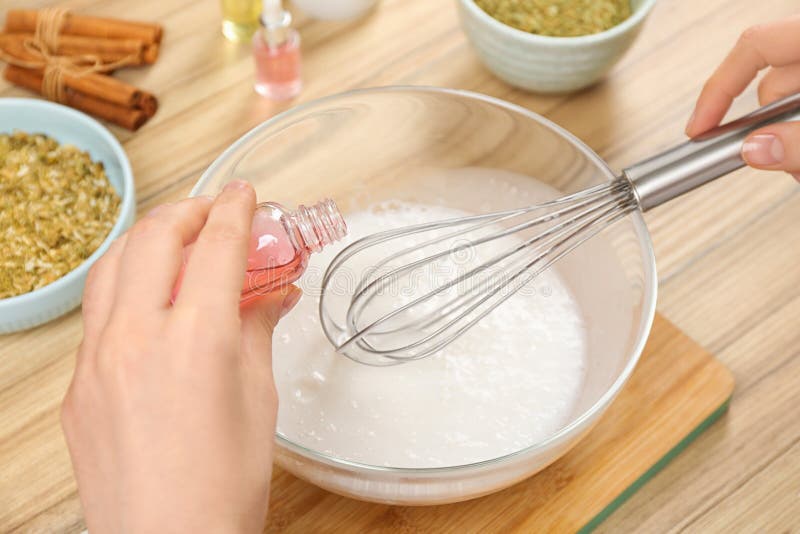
point(111, 41)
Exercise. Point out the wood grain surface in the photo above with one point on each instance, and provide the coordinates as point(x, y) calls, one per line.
point(728, 255)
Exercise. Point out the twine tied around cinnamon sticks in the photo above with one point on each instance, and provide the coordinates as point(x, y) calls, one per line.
point(66, 57)
point(42, 48)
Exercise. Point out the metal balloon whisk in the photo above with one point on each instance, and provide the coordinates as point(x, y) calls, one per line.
point(437, 280)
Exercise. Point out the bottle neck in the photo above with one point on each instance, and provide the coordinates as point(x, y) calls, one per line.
point(275, 28)
point(317, 226)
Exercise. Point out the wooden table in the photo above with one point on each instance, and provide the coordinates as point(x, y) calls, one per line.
point(728, 255)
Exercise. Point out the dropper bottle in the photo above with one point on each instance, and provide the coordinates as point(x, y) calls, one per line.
point(276, 50)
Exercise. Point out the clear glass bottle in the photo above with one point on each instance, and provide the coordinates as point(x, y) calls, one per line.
point(281, 241)
point(240, 19)
point(276, 51)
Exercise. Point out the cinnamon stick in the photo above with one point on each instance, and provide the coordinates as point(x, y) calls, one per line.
point(108, 50)
point(130, 118)
point(150, 53)
point(24, 21)
point(97, 85)
point(147, 103)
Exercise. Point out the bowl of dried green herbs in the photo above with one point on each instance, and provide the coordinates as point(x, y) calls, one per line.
point(66, 192)
point(552, 46)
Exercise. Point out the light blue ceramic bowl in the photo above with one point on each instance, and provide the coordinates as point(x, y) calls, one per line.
point(549, 64)
point(66, 126)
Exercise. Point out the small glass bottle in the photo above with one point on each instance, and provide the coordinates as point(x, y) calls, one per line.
point(276, 51)
point(240, 19)
point(281, 242)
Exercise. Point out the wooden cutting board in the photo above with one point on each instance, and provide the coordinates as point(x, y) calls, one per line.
point(677, 391)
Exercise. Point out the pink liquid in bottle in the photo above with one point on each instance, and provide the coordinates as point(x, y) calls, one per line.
point(276, 51)
point(278, 67)
point(281, 242)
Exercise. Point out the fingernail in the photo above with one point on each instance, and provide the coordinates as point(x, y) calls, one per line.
point(290, 301)
point(762, 149)
point(236, 184)
point(689, 123)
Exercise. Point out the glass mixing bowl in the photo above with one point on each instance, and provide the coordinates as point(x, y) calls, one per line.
point(405, 143)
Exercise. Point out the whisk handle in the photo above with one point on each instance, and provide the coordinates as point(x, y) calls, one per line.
point(717, 152)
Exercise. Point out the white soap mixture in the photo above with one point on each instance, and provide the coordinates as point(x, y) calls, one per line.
point(508, 383)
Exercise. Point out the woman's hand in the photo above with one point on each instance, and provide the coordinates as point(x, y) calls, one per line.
point(170, 416)
point(775, 45)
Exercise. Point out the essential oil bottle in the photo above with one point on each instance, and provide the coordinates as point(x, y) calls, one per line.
point(276, 50)
point(281, 241)
point(240, 19)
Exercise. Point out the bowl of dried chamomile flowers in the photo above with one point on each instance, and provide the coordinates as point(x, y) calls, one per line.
point(552, 46)
point(66, 192)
